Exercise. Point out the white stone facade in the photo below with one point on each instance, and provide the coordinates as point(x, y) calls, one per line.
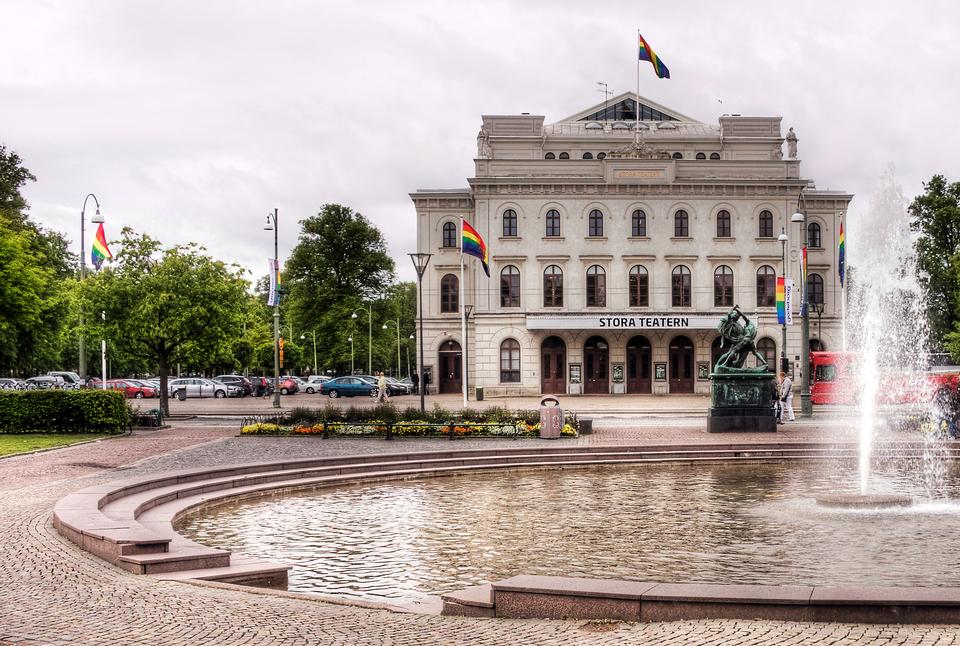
point(675, 164)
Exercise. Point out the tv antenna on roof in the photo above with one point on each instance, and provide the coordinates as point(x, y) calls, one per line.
point(606, 97)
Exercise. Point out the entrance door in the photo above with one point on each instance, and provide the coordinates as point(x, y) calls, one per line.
point(638, 365)
point(450, 362)
point(681, 365)
point(596, 366)
point(553, 366)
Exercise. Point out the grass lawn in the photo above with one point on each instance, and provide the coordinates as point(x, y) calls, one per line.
point(23, 442)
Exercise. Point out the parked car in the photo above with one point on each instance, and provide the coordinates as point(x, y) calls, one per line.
point(12, 384)
point(262, 386)
point(313, 383)
point(93, 383)
point(392, 388)
point(130, 388)
point(289, 386)
point(71, 379)
point(45, 382)
point(348, 387)
point(245, 384)
point(402, 387)
point(200, 387)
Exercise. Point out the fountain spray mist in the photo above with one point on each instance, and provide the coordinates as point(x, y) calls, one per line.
point(886, 317)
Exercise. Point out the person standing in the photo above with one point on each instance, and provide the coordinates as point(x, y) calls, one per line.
point(786, 398)
point(415, 380)
point(382, 387)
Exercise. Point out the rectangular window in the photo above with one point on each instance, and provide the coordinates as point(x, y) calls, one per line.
point(553, 224)
point(639, 290)
point(596, 290)
point(510, 289)
point(681, 290)
point(553, 290)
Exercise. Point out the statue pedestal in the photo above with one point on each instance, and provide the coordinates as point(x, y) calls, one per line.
point(742, 403)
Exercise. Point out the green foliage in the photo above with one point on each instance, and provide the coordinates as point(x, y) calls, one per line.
point(936, 216)
point(167, 306)
point(78, 411)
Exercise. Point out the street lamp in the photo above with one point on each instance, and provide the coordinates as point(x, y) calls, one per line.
point(783, 336)
point(350, 339)
point(412, 337)
point(420, 262)
point(806, 406)
point(95, 219)
point(467, 311)
point(303, 337)
point(272, 225)
point(369, 336)
point(397, 323)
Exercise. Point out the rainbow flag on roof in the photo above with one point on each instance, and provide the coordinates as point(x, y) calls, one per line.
point(647, 54)
point(841, 255)
point(473, 245)
point(100, 250)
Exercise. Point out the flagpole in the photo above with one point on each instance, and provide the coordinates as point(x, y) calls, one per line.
point(636, 128)
point(463, 322)
point(843, 296)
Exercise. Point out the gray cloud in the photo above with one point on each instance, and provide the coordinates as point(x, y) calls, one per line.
point(191, 120)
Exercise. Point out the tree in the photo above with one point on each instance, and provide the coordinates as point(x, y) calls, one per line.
point(340, 262)
point(167, 306)
point(936, 216)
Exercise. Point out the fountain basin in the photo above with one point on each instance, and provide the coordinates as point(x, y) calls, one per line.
point(864, 501)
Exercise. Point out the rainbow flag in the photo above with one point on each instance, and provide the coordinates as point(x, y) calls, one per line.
point(781, 300)
point(841, 255)
point(100, 251)
point(647, 54)
point(473, 245)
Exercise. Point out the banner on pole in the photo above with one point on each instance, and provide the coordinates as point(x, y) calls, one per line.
point(788, 301)
point(272, 268)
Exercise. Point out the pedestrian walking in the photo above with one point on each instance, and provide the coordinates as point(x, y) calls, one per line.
point(786, 398)
point(415, 380)
point(382, 387)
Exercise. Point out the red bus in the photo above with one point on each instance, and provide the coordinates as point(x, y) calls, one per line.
point(834, 381)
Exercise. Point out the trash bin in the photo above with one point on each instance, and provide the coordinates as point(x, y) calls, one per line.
point(479, 395)
point(182, 394)
point(586, 426)
point(551, 418)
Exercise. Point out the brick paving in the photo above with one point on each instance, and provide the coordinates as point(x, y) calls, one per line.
point(53, 593)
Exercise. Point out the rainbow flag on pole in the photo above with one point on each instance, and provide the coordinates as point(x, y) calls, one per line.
point(841, 255)
point(781, 301)
point(647, 54)
point(100, 250)
point(473, 245)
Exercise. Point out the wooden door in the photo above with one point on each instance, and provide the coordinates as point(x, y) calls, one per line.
point(553, 366)
point(681, 365)
point(596, 366)
point(639, 365)
point(450, 368)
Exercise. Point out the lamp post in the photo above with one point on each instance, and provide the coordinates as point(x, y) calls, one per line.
point(95, 219)
point(818, 308)
point(397, 323)
point(467, 311)
point(350, 339)
point(806, 406)
point(369, 336)
point(303, 337)
point(272, 225)
point(412, 337)
point(783, 331)
point(420, 262)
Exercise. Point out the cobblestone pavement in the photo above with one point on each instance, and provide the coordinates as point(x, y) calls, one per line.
point(53, 593)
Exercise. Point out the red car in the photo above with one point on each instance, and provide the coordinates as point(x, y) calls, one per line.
point(131, 389)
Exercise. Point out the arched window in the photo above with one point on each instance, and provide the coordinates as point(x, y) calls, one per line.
point(814, 239)
point(510, 362)
point(509, 223)
point(681, 224)
point(449, 293)
point(680, 286)
point(766, 287)
point(595, 229)
point(678, 155)
point(638, 224)
point(724, 229)
point(816, 289)
point(553, 286)
point(723, 287)
point(701, 156)
point(768, 349)
point(553, 224)
point(564, 155)
point(766, 224)
point(588, 155)
point(509, 287)
point(449, 235)
point(639, 286)
point(601, 155)
point(549, 156)
point(714, 155)
point(596, 287)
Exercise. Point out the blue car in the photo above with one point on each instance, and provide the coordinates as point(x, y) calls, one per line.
point(348, 387)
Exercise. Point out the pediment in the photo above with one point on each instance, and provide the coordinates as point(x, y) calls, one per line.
point(623, 108)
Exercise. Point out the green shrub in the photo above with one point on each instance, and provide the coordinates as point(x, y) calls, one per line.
point(63, 411)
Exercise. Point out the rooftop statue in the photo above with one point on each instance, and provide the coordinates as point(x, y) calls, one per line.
point(791, 144)
point(738, 332)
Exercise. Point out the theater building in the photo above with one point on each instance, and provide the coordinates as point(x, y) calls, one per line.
point(615, 248)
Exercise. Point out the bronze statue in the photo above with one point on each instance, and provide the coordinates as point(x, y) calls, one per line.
point(739, 332)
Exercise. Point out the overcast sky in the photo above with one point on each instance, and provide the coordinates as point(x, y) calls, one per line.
point(191, 120)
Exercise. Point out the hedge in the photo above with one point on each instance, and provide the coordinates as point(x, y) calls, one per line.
point(63, 411)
